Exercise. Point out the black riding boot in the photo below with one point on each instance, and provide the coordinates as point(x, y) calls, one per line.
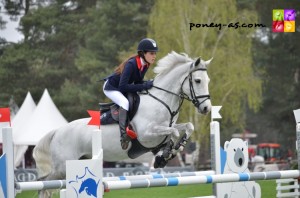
point(123, 123)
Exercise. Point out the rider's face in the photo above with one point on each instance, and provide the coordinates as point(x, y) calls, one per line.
point(150, 57)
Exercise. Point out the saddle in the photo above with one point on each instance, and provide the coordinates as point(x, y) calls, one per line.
point(110, 115)
point(110, 111)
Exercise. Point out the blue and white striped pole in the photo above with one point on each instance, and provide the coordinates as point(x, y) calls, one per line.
point(59, 184)
point(159, 176)
point(220, 178)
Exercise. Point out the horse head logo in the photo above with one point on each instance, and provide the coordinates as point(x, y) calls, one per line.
point(90, 186)
point(87, 184)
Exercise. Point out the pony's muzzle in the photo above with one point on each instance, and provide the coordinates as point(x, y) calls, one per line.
point(204, 110)
point(204, 107)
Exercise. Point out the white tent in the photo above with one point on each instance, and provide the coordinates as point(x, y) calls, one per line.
point(24, 113)
point(45, 118)
point(21, 118)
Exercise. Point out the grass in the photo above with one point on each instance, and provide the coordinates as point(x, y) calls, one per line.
point(268, 190)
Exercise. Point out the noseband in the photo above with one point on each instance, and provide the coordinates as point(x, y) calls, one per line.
point(182, 95)
point(194, 98)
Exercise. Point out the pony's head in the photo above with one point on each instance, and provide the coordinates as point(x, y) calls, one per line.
point(190, 76)
point(195, 85)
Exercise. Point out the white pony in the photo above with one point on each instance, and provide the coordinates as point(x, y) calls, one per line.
point(178, 77)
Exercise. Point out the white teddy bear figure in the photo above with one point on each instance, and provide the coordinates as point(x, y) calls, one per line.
point(237, 162)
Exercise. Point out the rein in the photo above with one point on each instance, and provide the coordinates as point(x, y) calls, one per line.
point(172, 113)
point(182, 96)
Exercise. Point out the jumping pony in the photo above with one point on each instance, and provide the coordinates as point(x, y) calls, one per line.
point(178, 78)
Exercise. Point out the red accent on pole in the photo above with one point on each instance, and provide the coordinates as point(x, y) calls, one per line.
point(95, 118)
point(5, 115)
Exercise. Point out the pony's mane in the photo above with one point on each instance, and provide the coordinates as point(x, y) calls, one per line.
point(170, 61)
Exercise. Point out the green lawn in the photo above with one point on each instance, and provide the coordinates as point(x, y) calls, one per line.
point(268, 190)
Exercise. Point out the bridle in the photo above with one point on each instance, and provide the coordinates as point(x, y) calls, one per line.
point(183, 96)
point(194, 98)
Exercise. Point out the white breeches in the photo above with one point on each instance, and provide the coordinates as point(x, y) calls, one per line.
point(117, 97)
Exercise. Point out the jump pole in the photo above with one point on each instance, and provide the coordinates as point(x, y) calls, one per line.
point(220, 178)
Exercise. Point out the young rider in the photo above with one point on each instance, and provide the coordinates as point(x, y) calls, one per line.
point(128, 77)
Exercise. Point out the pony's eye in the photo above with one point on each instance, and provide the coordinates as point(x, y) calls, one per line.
point(197, 80)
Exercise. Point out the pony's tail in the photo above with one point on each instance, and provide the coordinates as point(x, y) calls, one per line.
point(42, 157)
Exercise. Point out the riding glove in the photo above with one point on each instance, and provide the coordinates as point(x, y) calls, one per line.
point(148, 84)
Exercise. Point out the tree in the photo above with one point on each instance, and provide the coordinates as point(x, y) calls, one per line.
point(233, 83)
point(69, 48)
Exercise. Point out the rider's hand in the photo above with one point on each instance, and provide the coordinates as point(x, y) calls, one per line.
point(148, 84)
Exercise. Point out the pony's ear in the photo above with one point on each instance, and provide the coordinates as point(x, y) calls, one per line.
point(197, 62)
point(207, 62)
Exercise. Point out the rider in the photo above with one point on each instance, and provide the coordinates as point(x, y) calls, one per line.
point(128, 77)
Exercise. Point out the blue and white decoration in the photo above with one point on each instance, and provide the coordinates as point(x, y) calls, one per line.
point(3, 185)
point(84, 179)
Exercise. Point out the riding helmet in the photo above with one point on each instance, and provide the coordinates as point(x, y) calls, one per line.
point(147, 45)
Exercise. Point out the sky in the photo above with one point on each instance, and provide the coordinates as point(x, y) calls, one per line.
point(10, 33)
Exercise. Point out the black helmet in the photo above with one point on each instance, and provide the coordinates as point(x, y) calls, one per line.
point(148, 45)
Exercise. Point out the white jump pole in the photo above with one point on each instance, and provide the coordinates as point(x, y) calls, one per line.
point(9, 151)
point(215, 151)
point(97, 152)
point(215, 144)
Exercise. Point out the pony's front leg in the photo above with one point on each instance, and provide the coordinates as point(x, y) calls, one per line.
point(177, 143)
point(168, 151)
point(188, 129)
point(159, 130)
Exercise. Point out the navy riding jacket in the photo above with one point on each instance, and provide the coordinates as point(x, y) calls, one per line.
point(130, 80)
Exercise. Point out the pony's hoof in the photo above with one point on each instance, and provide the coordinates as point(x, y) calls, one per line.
point(160, 162)
point(125, 142)
point(124, 145)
